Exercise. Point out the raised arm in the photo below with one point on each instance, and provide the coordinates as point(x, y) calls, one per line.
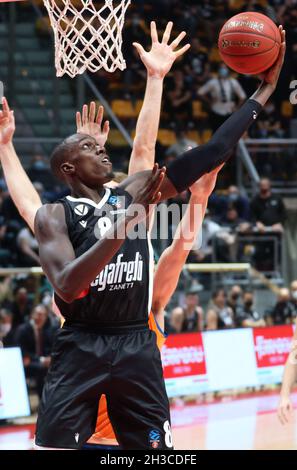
point(19, 185)
point(190, 166)
point(174, 257)
point(158, 62)
point(70, 275)
point(285, 407)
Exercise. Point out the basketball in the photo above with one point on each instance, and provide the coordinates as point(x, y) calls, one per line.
point(249, 43)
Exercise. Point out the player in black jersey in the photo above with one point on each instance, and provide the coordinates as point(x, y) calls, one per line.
point(94, 353)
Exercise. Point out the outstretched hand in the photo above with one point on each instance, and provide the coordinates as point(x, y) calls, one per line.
point(89, 123)
point(159, 60)
point(7, 123)
point(285, 410)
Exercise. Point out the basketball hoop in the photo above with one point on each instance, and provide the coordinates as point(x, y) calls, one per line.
point(87, 38)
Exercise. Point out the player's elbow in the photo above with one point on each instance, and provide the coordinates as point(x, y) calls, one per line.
point(66, 296)
point(65, 289)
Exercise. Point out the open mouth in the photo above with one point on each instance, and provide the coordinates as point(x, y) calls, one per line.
point(106, 160)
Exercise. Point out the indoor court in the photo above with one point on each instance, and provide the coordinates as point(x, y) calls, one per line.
point(148, 236)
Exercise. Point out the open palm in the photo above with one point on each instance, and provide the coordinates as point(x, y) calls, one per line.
point(7, 123)
point(89, 123)
point(159, 60)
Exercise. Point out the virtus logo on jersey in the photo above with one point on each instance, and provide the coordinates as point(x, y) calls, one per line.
point(81, 209)
point(120, 275)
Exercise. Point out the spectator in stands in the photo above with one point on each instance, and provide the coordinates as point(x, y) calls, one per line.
point(196, 63)
point(178, 98)
point(46, 299)
point(134, 76)
point(20, 306)
point(239, 201)
point(35, 340)
point(208, 14)
point(232, 225)
point(182, 144)
point(5, 255)
point(192, 313)
point(39, 171)
point(219, 316)
point(247, 316)
point(268, 215)
point(10, 213)
point(202, 249)
point(231, 219)
point(134, 31)
point(28, 248)
point(268, 210)
point(5, 289)
point(269, 123)
point(188, 19)
point(294, 298)
point(222, 94)
point(234, 300)
point(282, 313)
point(7, 332)
point(174, 323)
point(255, 5)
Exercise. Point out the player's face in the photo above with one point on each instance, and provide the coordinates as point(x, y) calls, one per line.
point(92, 164)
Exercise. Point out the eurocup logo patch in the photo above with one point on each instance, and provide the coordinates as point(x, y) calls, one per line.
point(115, 201)
point(155, 438)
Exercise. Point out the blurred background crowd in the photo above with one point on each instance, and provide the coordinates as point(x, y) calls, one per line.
point(240, 225)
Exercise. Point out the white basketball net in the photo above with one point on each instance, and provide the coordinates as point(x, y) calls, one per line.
point(87, 38)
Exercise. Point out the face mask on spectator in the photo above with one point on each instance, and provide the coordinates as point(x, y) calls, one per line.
point(248, 303)
point(235, 296)
point(223, 72)
point(294, 294)
point(233, 197)
point(39, 165)
point(5, 329)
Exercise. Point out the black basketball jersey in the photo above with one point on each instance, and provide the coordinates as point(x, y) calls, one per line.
point(122, 291)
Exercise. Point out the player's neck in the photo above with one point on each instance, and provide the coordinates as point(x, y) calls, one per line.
point(81, 191)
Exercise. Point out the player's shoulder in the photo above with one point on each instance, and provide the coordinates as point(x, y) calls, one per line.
point(54, 210)
point(49, 218)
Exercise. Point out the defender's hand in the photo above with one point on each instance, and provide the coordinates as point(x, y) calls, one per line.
point(285, 409)
point(7, 123)
point(88, 123)
point(159, 60)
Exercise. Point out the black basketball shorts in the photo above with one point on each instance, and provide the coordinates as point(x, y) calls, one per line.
point(125, 366)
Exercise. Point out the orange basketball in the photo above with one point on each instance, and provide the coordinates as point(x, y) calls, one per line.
point(249, 43)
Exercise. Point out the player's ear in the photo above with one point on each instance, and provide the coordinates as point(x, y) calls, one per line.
point(67, 168)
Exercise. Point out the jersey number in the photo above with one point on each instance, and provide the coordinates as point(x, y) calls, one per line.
point(104, 224)
point(168, 434)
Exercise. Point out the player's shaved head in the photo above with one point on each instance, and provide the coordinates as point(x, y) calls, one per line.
point(65, 152)
point(81, 160)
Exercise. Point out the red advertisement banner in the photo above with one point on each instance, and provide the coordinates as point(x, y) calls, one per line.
point(183, 355)
point(272, 345)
